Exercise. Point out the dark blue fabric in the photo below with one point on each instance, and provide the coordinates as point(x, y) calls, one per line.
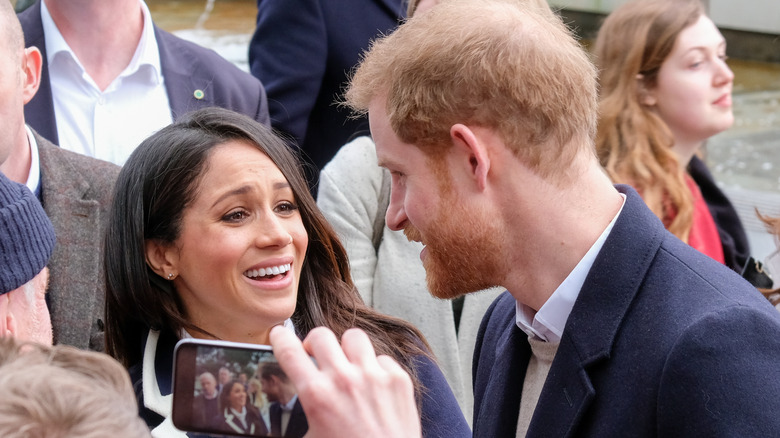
point(296, 427)
point(26, 235)
point(736, 248)
point(186, 67)
point(662, 341)
point(303, 51)
point(441, 415)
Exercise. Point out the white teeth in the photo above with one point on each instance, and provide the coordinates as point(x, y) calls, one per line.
point(273, 270)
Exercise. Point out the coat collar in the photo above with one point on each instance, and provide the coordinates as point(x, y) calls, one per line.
point(610, 288)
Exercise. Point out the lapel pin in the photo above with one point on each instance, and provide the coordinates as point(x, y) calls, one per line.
point(198, 94)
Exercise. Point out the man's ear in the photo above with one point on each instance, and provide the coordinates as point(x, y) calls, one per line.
point(32, 62)
point(645, 95)
point(7, 321)
point(162, 258)
point(470, 144)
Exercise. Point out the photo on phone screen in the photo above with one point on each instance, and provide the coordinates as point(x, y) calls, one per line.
point(228, 388)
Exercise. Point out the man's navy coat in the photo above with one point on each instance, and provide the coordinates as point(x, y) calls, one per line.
point(186, 67)
point(662, 341)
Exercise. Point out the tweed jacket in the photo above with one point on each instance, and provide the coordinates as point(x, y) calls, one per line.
point(186, 67)
point(386, 267)
point(76, 191)
point(662, 341)
point(303, 51)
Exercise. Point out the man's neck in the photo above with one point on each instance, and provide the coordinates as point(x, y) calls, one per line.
point(107, 44)
point(286, 396)
point(558, 226)
point(17, 166)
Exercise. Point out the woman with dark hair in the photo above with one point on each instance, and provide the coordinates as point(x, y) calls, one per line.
point(665, 89)
point(235, 414)
point(213, 234)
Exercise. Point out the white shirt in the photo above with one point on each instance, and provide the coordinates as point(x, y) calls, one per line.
point(34, 175)
point(548, 323)
point(240, 415)
point(106, 124)
point(287, 412)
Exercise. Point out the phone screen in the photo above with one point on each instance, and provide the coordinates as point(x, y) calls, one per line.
point(229, 388)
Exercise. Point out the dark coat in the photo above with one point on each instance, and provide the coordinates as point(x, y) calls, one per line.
point(303, 51)
point(297, 426)
point(736, 249)
point(186, 67)
point(662, 341)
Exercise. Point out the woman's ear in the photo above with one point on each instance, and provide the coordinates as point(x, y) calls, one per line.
point(646, 96)
point(162, 258)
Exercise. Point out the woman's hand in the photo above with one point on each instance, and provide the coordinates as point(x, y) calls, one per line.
point(349, 391)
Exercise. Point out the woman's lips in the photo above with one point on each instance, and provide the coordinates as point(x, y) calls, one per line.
point(724, 101)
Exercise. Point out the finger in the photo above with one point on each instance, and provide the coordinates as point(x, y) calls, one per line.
point(358, 348)
point(392, 367)
point(292, 357)
point(324, 346)
point(401, 385)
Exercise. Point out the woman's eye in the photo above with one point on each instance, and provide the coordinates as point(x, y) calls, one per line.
point(235, 216)
point(286, 207)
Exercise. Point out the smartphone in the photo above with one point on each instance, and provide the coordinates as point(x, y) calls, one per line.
point(236, 389)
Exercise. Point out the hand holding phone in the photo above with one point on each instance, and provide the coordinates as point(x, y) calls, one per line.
point(229, 388)
point(349, 392)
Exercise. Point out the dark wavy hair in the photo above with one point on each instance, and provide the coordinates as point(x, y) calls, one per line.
point(153, 190)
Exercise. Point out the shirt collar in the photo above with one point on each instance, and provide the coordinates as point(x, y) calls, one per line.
point(34, 176)
point(290, 404)
point(146, 54)
point(548, 323)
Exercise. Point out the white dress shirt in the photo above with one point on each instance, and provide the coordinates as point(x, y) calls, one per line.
point(106, 124)
point(34, 175)
point(287, 412)
point(548, 323)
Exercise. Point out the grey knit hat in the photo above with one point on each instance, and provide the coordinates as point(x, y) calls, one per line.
point(26, 235)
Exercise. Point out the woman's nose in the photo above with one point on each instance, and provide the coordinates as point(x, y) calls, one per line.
point(272, 232)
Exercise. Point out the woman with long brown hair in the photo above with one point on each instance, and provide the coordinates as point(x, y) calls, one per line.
point(665, 89)
point(214, 234)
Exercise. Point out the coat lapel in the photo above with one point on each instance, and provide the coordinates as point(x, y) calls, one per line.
point(76, 220)
point(605, 298)
point(500, 404)
point(187, 89)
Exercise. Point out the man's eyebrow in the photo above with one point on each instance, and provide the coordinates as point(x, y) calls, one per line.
point(387, 163)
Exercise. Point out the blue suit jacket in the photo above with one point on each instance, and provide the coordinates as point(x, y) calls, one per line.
point(186, 67)
point(662, 341)
point(303, 51)
point(297, 426)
